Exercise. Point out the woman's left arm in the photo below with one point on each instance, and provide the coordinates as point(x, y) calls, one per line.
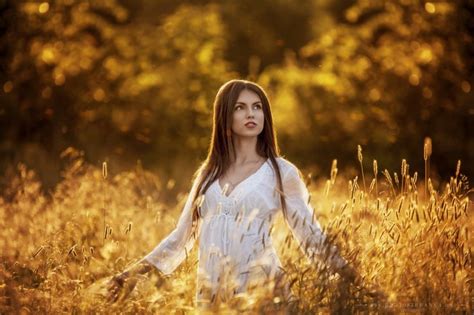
point(305, 227)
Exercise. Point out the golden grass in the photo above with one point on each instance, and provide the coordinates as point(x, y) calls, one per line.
point(58, 249)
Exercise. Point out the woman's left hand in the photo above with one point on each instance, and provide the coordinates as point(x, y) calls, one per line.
point(349, 273)
point(352, 275)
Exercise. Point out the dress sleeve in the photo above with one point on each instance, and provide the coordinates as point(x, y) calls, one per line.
point(303, 223)
point(173, 249)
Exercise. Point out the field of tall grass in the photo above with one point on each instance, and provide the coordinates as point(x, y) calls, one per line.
point(409, 237)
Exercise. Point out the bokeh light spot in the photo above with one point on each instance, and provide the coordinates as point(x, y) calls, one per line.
point(99, 95)
point(414, 79)
point(466, 86)
point(46, 93)
point(374, 94)
point(47, 55)
point(352, 14)
point(430, 7)
point(43, 7)
point(426, 55)
point(427, 93)
point(8, 87)
point(59, 79)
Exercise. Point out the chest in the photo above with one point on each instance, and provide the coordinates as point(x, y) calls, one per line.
point(257, 190)
point(235, 175)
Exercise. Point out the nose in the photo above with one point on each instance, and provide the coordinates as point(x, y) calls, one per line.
point(250, 113)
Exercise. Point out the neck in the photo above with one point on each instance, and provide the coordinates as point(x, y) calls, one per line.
point(245, 150)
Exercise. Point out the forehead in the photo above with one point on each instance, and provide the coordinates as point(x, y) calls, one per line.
point(247, 96)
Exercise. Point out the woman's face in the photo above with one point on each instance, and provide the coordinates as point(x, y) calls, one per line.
point(247, 109)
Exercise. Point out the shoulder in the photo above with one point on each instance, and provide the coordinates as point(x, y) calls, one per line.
point(287, 167)
point(199, 174)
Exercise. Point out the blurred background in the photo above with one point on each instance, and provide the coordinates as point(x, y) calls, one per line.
point(132, 81)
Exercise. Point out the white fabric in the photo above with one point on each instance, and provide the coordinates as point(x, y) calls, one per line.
point(234, 243)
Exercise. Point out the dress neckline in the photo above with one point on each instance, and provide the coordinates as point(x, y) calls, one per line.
point(221, 190)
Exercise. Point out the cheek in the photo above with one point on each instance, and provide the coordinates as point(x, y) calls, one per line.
point(237, 117)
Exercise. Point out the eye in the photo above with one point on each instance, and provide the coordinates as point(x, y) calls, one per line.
point(238, 107)
point(257, 106)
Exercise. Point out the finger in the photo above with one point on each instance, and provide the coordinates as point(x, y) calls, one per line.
point(111, 295)
point(126, 294)
point(111, 284)
point(116, 292)
point(127, 291)
point(111, 289)
point(111, 298)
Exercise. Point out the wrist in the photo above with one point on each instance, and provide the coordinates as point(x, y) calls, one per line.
point(140, 267)
point(125, 274)
point(144, 266)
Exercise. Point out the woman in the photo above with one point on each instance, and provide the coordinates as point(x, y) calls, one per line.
point(242, 185)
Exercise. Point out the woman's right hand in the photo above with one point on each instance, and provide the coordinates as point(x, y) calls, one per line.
point(120, 286)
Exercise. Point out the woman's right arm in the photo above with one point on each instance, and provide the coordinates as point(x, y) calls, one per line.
point(140, 268)
point(167, 255)
point(126, 279)
point(172, 250)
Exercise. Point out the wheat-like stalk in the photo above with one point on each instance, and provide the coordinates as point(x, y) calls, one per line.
point(393, 238)
point(104, 176)
point(427, 149)
point(403, 173)
point(360, 158)
point(376, 171)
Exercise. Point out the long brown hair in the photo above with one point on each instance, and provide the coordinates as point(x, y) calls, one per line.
point(221, 147)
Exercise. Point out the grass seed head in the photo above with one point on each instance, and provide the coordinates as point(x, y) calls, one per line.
point(427, 148)
point(104, 170)
point(458, 168)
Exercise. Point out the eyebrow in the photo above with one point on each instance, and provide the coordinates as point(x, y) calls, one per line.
point(242, 103)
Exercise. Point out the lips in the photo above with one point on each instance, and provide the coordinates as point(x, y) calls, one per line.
point(250, 124)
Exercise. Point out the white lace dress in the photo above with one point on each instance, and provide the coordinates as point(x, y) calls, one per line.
point(235, 248)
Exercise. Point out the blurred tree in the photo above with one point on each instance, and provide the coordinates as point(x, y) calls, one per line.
point(51, 67)
point(259, 33)
point(80, 73)
point(126, 80)
point(393, 73)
